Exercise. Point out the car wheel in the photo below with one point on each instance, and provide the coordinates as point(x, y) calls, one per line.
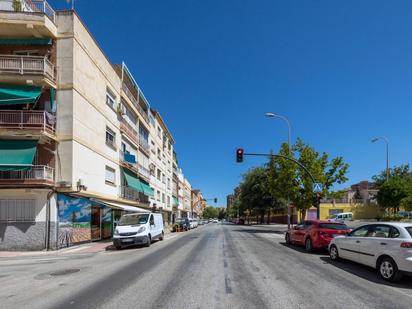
point(388, 270)
point(118, 247)
point(162, 236)
point(287, 238)
point(333, 253)
point(149, 241)
point(308, 245)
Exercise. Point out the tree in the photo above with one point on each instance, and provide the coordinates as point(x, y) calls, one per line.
point(328, 172)
point(406, 203)
point(392, 192)
point(401, 172)
point(210, 212)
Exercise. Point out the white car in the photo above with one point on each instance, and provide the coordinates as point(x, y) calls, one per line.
point(138, 229)
point(193, 223)
point(387, 247)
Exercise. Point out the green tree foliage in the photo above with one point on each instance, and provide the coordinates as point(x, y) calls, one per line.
point(210, 212)
point(406, 203)
point(400, 172)
point(392, 192)
point(267, 188)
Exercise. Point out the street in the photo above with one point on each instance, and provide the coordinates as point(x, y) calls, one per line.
point(214, 266)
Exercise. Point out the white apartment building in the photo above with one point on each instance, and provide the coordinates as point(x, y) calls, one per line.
point(161, 160)
point(79, 143)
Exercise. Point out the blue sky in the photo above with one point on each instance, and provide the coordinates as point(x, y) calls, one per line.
point(341, 71)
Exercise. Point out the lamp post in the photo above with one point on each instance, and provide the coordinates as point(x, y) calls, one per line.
point(387, 152)
point(272, 115)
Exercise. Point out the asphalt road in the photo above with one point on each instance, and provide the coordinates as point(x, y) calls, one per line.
point(216, 266)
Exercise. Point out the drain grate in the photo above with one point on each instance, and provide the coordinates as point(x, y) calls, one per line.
point(65, 272)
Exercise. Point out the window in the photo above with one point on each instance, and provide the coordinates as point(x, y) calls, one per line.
point(159, 154)
point(17, 210)
point(360, 232)
point(110, 98)
point(163, 178)
point(394, 232)
point(110, 138)
point(159, 132)
point(158, 195)
point(381, 231)
point(168, 183)
point(168, 201)
point(110, 175)
point(163, 198)
point(158, 174)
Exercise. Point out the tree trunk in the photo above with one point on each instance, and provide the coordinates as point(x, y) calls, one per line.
point(303, 214)
point(269, 212)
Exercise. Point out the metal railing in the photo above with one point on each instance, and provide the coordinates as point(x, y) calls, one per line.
point(36, 172)
point(135, 102)
point(134, 195)
point(30, 65)
point(28, 120)
point(129, 131)
point(29, 6)
point(144, 144)
point(144, 171)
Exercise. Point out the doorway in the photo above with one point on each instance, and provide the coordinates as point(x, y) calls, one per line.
point(96, 223)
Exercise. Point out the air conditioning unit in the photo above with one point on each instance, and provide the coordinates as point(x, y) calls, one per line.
point(64, 184)
point(121, 109)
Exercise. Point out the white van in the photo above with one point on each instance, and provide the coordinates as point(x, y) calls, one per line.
point(342, 217)
point(138, 229)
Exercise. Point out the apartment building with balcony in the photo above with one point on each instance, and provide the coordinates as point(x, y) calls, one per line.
point(78, 139)
point(70, 145)
point(161, 161)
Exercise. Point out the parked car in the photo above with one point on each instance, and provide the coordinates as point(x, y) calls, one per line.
point(193, 223)
point(181, 224)
point(240, 221)
point(315, 234)
point(138, 229)
point(387, 247)
point(342, 217)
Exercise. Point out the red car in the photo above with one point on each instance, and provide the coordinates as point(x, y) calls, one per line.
point(315, 234)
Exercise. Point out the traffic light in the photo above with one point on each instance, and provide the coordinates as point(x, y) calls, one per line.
point(215, 199)
point(316, 199)
point(239, 155)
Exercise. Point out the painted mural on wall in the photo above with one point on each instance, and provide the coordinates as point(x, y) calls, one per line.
point(74, 220)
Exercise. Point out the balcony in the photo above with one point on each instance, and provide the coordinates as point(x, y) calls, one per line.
point(133, 195)
point(38, 175)
point(128, 130)
point(126, 163)
point(135, 102)
point(27, 18)
point(27, 123)
point(144, 172)
point(37, 68)
point(144, 145)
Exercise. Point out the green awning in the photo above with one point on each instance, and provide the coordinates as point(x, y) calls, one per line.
point(147, 189)
point(10, 95)
point(175, 201)
point(29, 41)
point(132, 181)
point(17, 155)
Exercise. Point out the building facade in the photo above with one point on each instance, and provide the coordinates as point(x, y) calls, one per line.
point(79, 143)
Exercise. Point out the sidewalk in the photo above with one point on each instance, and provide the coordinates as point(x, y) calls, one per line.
point(90, 247)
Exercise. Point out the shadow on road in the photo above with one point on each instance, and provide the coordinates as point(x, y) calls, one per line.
point(130, 247)
point(259, 231)
point(367, 273)
point(302, 249)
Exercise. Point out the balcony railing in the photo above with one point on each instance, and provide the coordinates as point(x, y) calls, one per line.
point(29, 6)
point(28, 120)
point(130, 165)
point(144, 144)
point(129, 131)
point(38, 174)
point(27, 65)
point(135, 102)
point(134, 195)
point(144, 171)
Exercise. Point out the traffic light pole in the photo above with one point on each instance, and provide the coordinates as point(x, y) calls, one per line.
point(293, 160)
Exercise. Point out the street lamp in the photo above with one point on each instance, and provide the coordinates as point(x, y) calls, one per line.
point(272, 115)
point(387, 152)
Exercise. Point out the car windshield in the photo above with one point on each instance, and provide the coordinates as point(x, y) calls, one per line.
point(133, 219)
point(333, 226)
point(409, 229)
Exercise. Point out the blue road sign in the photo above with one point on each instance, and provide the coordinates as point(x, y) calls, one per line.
point(317, 188)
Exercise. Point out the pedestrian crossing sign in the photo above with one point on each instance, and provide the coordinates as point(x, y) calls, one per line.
point(317, 188)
